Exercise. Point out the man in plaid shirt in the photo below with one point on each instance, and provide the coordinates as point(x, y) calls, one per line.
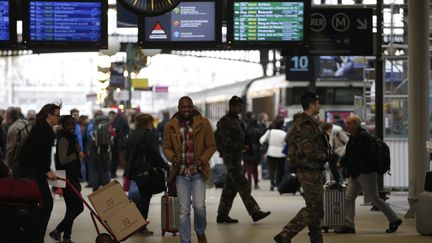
point(189, 143)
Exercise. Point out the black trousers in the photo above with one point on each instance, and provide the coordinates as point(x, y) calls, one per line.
point(47, 206)
point(276, 170)
point(74, 207)
point(144, 203)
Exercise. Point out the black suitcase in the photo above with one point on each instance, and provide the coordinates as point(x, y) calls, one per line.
point(289, 184)
point(18, 224)
point(428, 182)
point(219, 175)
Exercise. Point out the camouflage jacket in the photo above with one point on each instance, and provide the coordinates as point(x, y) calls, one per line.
point(306, 145)
point(232, 134)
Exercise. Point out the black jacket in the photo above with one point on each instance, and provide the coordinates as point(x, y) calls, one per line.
point(35, 155)
point(67, 157)
point(254, 135)
point(359, 156)
point(142, 143)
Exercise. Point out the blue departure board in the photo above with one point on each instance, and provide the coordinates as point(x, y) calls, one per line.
point(65, 21)
point(4, 21)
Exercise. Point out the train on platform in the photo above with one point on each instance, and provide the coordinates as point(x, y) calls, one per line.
point(275, 96)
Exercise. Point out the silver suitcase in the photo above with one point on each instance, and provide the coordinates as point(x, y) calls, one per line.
point(170, 219)
point(423, 213)
point(333, 207)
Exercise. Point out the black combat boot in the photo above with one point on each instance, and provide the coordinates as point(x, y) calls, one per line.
point(220, 219)
point(280, 239)
point(257, 216)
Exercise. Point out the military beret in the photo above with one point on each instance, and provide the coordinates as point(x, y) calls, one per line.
point(235, 100)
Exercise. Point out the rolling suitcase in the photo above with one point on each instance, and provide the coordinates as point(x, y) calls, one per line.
point(423, 213)
point(17, 223)
point(289, 184)
point(334, 197)
point(170, 214)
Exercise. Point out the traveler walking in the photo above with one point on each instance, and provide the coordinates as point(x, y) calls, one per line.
point(100, 144)
point(189, 143)
point(233, 143)
point(363, 172)
point(16, 135)
point(307, 152)
point(275, 137)
point(252, 158)
point(67, 158)
point(35, 160)
point(142, 147)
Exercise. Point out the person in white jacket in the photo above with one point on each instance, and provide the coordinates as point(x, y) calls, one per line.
point(275, 137)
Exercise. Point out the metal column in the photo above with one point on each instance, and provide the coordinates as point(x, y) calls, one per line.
point(418, 97)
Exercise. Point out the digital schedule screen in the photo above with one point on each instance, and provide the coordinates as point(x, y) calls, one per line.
point(4, 21)
point(65, 24)
point(273, 23)
point(191, 24)
point(7, 24)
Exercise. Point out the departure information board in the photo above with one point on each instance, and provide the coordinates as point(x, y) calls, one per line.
point(65, 21)
point(189, 21)
point(4, 21)
point(268, 21)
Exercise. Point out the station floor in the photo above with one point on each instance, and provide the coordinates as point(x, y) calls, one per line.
point(370, 226)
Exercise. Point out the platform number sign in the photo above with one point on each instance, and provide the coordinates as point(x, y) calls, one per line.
point(299, 68)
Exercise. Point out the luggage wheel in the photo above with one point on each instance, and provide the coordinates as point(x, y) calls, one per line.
point(326, 229)
point(104, 238)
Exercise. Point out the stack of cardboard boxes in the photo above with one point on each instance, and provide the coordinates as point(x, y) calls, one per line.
point(114, 208)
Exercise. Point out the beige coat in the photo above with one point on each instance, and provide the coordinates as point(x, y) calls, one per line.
point(203, 140)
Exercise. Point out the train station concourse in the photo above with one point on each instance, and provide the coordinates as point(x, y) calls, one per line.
point(370, 225)
point(111, 61)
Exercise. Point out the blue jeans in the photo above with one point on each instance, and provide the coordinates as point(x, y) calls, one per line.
point(191, 190)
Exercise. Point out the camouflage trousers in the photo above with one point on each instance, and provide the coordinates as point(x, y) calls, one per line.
point(236, 182)
point(312, 214)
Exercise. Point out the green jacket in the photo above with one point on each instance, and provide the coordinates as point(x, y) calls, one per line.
point(306, 145)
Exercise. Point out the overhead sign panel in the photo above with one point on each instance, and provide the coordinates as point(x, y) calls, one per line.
point(192, 24)
point(341, 31)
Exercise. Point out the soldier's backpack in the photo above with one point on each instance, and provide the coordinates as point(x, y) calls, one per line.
point(382, 152)
point(218, 139)
point(292, 145)
point(102, 132)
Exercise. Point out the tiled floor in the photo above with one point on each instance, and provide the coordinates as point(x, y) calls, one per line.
point(370, 226)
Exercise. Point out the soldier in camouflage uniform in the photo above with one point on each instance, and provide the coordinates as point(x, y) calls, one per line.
point(233, 142)
point(308, 152)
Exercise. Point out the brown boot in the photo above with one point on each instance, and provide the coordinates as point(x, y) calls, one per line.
point(202, 238)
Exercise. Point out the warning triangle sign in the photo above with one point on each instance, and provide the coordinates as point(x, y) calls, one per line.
point(158, 29)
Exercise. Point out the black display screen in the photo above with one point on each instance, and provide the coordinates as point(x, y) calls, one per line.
point(7, 24)
point(270, 23)
point(60, 23)
point(191, 24)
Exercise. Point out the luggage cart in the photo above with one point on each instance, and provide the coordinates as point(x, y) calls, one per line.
point(108, 237)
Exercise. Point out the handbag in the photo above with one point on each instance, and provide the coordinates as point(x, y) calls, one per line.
point(23, 192)
point(150, 179)
point(265, 145)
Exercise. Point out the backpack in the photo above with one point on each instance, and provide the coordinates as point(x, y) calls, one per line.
point(21, 138)
point(382, 152)
point(292, 146)
point(102, 132)
point(218, 140)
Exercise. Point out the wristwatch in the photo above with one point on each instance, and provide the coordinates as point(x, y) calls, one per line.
point(149, 7)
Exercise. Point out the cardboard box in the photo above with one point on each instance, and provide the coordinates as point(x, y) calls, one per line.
point(125, 222)
point(109, 199)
